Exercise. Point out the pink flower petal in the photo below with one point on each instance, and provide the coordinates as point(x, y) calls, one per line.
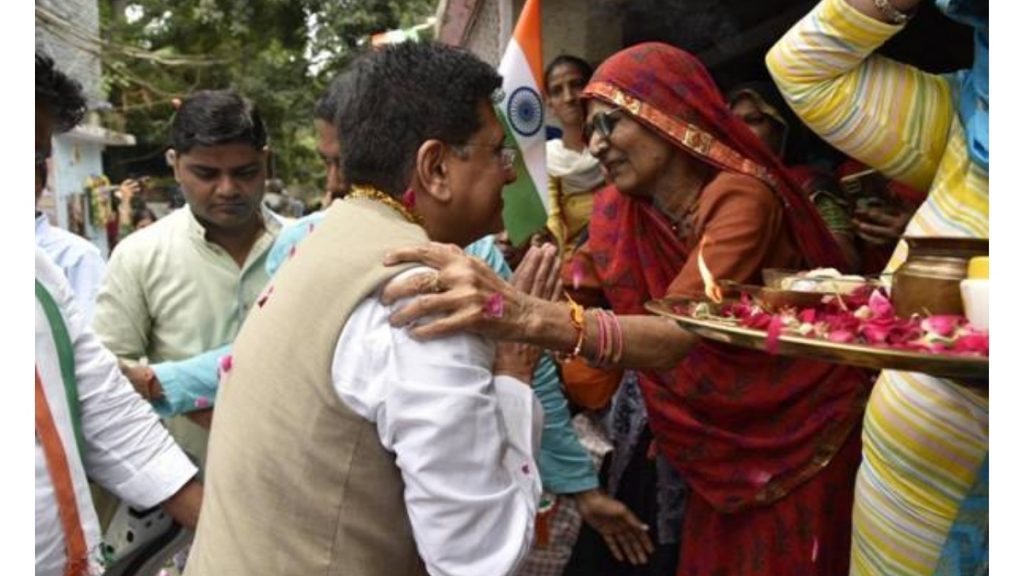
point(495, 305)
point(875, 334)
point(758, 321)
point(841, 336)
point(225, 363)
point(807, 316)
point(972, 343)
point(263, 297)
point(880, 306)
point(943, 325)
point(577, 273)
point(902, 333)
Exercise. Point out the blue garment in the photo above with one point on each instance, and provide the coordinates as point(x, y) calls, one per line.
point(288, 239)
point(966, 548)
point(565, 466)
point(189, 385)
point(79, 259)
point(973, 102)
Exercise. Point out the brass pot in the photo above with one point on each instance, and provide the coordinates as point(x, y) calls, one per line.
point(929, 281)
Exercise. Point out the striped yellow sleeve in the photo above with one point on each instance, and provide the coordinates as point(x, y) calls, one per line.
point(890, 116)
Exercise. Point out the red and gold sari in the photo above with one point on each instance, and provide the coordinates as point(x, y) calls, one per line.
point(769, 445)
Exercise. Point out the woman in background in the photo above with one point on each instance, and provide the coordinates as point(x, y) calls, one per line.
point(760, 106)
point(573, 174)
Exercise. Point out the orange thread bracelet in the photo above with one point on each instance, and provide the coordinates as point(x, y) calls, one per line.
point(578, 320)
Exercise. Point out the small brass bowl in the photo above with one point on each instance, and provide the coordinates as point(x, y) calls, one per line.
point(928, 282)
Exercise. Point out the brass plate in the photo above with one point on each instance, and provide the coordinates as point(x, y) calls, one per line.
point(971, 371)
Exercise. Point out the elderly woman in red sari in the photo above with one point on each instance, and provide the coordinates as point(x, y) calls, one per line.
point(769, 445)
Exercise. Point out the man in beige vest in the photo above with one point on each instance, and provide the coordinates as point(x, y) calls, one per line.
point(341, 446)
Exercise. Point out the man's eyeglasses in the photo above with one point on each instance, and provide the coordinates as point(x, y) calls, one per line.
point(506, 151)
point(603, 123)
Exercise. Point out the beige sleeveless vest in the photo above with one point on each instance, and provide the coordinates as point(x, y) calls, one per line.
point(297, 483)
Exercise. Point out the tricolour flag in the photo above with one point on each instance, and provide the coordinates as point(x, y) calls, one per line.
point(522, 113)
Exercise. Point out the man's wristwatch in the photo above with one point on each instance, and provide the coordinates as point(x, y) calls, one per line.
point(891, 14)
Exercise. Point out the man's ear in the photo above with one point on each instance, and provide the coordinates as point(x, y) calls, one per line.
point(432, 170)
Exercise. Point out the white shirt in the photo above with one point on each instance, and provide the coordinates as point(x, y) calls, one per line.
point(463, 440)
point(80, 260)
point(127, 450)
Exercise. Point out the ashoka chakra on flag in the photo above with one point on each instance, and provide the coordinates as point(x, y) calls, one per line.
point(524, 111)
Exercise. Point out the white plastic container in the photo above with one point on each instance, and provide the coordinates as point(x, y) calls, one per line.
point(974, 291)
point(975, 295)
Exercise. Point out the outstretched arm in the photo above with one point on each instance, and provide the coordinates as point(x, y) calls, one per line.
point(890, 116)
point(652, 342)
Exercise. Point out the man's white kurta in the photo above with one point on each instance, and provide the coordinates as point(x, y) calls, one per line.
point(127, 450)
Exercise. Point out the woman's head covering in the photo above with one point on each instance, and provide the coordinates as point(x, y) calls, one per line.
point(769, 101)
point(669, 91)
point(767, 98)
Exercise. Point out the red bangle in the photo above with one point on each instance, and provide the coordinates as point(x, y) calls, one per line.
point(603, 340)
point(618, 344)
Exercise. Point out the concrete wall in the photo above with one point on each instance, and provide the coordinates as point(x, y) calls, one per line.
point(74, 160)
point(483, 37)
point(579, 27)
point(66, 48)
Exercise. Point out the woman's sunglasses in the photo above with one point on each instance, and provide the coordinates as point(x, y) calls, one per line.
point(603, 123)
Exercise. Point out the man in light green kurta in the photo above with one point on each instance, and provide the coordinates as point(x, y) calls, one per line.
point(185, 284)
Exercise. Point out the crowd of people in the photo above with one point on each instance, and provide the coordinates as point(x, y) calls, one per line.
point(389, 386)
